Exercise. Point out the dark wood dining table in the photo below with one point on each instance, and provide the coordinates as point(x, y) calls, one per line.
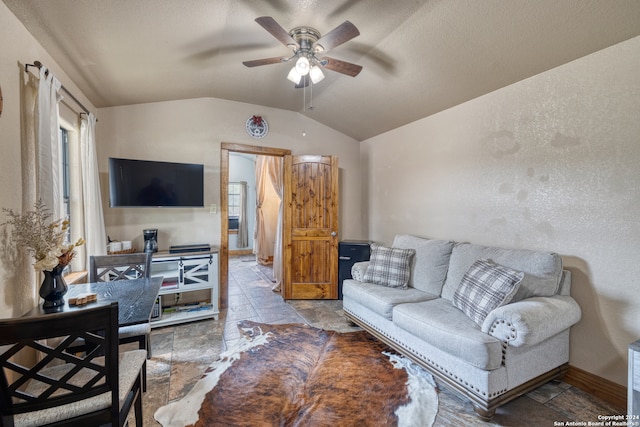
point(135, 298)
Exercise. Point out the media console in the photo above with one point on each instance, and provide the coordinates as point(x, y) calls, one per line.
point(185, 272)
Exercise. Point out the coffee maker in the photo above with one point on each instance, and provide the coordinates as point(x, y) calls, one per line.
point(150, 239)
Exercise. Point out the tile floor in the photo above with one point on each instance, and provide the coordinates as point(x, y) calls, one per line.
point(181, 353)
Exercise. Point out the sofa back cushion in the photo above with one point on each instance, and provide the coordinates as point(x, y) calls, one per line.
point(430, 263)
point(542, 270)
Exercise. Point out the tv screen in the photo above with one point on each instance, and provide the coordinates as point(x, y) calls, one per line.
point(140, 183)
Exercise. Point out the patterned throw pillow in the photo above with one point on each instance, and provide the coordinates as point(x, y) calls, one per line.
point(485, 287)
point(389, 266)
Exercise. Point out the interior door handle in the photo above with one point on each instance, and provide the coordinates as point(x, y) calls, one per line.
point(334, 234)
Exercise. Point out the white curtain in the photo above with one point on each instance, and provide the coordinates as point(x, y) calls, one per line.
point(40, 161)
point(25, 276)
point(94, 230)
point(243, 226)
point(275, 174)
point(260, 235)
point(42, 154)
point(29, 132)
point(49, 160)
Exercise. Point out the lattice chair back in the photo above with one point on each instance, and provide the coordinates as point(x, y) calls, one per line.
point(42, 382)
point(106, 268)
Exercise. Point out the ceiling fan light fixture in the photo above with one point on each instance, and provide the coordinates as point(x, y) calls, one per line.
point(302, 65)
point(316, 74)
point(294, 76)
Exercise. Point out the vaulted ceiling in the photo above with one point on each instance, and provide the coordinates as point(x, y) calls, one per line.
point(419, 57)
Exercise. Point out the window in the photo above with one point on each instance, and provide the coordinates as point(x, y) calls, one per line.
point(234, 205)
point(66, 179)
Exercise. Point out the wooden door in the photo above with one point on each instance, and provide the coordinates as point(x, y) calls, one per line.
point(310, 235)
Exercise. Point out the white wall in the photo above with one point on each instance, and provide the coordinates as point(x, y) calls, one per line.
point(191, 131)
point(552, 163)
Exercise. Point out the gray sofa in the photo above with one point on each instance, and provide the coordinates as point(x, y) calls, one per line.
point(518, 346)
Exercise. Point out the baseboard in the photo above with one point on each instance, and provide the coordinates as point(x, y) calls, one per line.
point(610, 392)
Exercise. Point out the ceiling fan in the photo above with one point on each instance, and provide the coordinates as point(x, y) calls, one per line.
point(307, 43)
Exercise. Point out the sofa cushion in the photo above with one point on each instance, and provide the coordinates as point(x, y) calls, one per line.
point(389, 266)
point(440, 324)
point(485, 287)
point(430, 263)
point(542, 270)
point(381, 299)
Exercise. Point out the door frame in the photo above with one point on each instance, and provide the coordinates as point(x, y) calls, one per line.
point(225, 149)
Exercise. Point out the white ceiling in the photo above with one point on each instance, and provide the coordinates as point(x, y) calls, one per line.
point(419, 57)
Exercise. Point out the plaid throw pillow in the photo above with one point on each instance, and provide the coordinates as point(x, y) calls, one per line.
point(389, 266)
point(485, 287)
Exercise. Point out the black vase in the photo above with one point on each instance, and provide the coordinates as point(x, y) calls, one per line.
point(53, 288)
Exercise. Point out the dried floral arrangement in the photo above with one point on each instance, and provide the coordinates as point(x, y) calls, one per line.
point(42, 237)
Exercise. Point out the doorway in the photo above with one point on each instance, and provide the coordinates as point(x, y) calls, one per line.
point(226, 149)
point(241, 197)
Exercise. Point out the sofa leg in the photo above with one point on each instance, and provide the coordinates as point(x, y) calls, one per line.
point(483, 414)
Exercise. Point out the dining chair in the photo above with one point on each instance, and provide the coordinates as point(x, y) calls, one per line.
point(105, 268)
point(44, 384)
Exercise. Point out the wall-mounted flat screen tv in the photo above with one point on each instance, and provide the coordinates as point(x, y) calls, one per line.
point(144, 183)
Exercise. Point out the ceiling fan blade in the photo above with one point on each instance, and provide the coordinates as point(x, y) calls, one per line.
point(265, 61)
point(276, 30)
point(342, 33)
point(343, 67)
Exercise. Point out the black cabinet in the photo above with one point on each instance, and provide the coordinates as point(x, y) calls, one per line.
point(350, 252)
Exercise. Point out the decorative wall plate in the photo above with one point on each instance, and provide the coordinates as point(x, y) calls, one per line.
point(257, 127)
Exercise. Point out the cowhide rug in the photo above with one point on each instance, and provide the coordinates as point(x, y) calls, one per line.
point(297, 375)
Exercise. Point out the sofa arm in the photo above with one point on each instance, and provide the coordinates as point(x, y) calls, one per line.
point(358, 269)
point(532, 320)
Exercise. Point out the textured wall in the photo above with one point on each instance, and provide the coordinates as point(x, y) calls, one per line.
point(551, 162)
point(191, 131)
